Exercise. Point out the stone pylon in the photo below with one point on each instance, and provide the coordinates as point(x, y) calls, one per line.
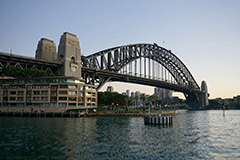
point(69, 53)
point(46, 50)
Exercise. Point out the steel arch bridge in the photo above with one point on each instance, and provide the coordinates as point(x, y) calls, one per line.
point(147, 64)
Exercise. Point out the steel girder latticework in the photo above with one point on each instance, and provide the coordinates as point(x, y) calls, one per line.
point(115, 59)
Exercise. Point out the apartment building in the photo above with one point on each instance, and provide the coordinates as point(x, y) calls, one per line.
point(58, 92)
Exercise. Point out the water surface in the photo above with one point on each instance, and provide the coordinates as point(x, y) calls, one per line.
point(193, 135)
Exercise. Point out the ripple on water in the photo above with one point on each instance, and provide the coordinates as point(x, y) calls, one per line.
point(193, 135)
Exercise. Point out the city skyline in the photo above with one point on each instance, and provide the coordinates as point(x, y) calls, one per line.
point(203, 34)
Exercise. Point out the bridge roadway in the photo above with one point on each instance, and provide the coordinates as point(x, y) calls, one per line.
point(24, 62)
point(139, 80)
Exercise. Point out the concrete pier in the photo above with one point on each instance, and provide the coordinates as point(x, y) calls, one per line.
point(43, 114)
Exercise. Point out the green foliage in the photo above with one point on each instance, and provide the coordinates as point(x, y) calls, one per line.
point(213, 105)
point(26, 73)
point(107, 98)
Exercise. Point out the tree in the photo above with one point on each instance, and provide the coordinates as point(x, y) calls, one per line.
point(111, 98)
point(23, 73)
point(153, 98)
point(143, 98)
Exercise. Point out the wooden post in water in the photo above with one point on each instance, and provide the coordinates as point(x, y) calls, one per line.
point(224, 110)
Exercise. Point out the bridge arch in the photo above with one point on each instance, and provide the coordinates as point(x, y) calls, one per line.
point(116, 58)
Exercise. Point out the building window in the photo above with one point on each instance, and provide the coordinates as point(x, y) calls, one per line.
point(72, 93)
point(71, 105)
point(80, 87)
point(63, 86)
point(80, 93)
point(62, 80)
point(80, 99)
point(88, 94)
point(13, 87)
point(43, 81)
point(72, 99)
point(29, 93)
point(53, 99)
point(21, 86)
point(36, 93)
point(12, 98)
point(37, 87)
point(20, 99)
point(20, 104)
point(20, 92)
point(29, 87)
point(36, 99)
point(72, 87)
point(5, 87)
point(12, 92)
point(44, 98)
point(53, 93)
point(73, 60)
point(44, 92)
point(45, 86)
point(62, 92)
point(54, 87)
point(53, 105)
point(89, 100)
point(62, 105)
point(80, 105)
point(62, 98)
point(89, 105)
point(28, 99)
point(70, 81)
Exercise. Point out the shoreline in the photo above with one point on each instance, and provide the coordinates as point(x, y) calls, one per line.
point(84, 114)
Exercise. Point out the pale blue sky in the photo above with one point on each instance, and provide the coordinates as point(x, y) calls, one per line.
point(204, 34)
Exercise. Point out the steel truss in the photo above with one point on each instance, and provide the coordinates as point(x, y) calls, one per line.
point(28, 63)
point(115, 59)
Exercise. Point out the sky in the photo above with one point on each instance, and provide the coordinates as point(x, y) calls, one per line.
point(204, 34)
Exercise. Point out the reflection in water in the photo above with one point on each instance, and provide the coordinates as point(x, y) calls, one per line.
point(193, 135)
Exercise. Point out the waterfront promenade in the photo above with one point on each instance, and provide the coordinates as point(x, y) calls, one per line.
point(63, 112)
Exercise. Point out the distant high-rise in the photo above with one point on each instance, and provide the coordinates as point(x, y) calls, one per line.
point(109, 89)
point(132, 94)
point(204, 89)
point(137, 94)
point(127, 92)
point(46, 50)
point(163, 93)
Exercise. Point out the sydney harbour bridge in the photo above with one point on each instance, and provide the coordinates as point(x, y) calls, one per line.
point(146, 64)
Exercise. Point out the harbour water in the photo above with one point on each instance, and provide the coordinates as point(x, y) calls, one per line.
point(193, 135)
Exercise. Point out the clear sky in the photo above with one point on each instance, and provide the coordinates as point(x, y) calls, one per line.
point(204, 34)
